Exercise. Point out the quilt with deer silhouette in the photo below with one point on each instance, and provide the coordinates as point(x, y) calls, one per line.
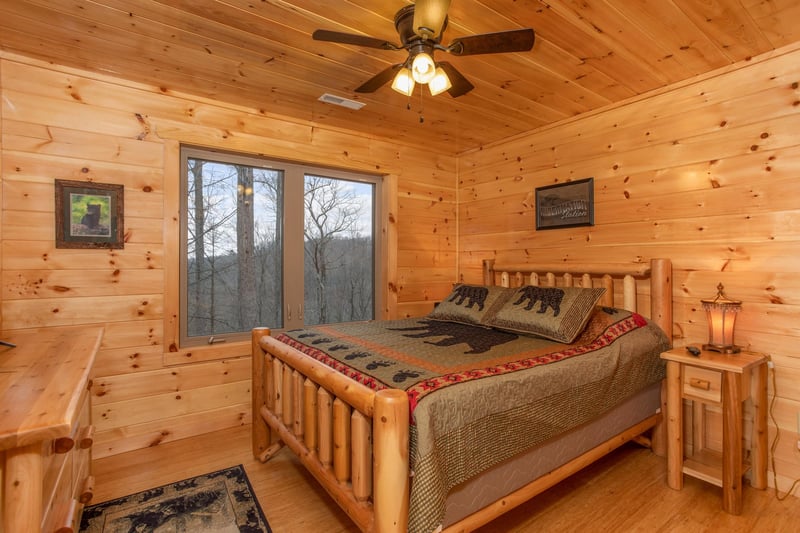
point(479, 396)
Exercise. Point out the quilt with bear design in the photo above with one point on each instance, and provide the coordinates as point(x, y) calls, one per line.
point(479, 395)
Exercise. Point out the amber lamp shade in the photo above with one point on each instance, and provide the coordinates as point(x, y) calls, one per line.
point(721, 312)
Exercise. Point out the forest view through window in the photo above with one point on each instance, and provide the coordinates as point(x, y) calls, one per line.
point(273, 244)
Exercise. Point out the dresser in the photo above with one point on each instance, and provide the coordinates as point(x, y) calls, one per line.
point(45, 428)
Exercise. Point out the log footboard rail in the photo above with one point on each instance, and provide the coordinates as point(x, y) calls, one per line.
point(352, 439)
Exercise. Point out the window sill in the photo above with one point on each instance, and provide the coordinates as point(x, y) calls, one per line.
point(199, 354)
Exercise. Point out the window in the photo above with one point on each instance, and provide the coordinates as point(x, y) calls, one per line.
point(269, 243)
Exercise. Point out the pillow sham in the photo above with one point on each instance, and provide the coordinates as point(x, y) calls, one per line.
point(468, 304)
point(555, 313)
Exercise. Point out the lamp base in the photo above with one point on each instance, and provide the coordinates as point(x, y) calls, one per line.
point(722, 349)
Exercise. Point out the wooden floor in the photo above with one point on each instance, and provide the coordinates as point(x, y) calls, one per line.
point(625, 491)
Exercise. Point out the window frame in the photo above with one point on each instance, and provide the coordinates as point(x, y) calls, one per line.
point(177, 350)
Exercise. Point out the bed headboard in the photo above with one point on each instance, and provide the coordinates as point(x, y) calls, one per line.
point(658, 272)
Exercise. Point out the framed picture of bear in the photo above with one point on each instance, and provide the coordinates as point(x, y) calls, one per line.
point(89, 215)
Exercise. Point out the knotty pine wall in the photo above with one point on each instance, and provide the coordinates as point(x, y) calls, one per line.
point(707, 174)
point(59, 123)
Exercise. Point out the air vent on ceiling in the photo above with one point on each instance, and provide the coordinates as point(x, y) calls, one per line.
point(338, 100)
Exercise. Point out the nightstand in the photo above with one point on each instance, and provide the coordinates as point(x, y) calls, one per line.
point(724, 380)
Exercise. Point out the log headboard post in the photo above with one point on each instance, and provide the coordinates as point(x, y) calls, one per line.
point(488, 271)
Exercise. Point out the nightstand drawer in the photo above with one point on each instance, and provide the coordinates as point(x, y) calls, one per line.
point(702, 383)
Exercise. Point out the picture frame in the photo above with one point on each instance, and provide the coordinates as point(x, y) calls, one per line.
point(565, 205)
point(89, 215)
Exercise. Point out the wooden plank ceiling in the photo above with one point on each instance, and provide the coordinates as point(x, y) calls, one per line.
point(259, 53)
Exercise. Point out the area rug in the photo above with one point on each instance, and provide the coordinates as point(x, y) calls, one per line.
point(222, 502)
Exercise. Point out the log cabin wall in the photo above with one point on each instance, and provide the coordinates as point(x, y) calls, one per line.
point(59, 123)
point(706, 173)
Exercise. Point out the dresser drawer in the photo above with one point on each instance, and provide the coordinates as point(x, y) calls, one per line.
point(702, 383)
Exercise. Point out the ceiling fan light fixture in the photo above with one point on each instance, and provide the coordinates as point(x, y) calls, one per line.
point(403, 82)
point(423, 69)
point(420, 26)
point(440, 82)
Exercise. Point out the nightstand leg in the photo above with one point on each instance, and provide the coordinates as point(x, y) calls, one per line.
point(674, 426)
point(732, 442)
point(698, 427)
point(758, 476)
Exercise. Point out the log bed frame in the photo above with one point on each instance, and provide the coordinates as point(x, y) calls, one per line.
point(354, 440)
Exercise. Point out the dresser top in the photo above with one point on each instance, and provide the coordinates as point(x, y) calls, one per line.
point(42, 380)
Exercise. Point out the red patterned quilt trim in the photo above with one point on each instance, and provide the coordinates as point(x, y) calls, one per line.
point(337, 365)
point(423, 388)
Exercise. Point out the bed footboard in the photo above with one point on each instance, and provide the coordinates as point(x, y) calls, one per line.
point(352, 439)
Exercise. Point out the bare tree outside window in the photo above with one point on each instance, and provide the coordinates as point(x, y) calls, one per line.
point(245, 246)
point(338, 280)
point(230, 249)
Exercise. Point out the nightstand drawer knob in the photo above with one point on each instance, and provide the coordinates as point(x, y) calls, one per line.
point(703, 384)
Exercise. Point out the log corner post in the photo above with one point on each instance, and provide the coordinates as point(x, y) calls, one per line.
point(261, 432)
point(391, 466)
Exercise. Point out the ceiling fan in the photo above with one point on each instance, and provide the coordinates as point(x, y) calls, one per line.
point(420, 27)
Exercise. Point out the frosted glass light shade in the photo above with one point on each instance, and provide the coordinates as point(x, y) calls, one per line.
point(403, 82)
point(423, 69)
point(440, 82)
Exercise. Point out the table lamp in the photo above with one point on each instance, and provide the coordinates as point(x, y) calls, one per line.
point(721, 312)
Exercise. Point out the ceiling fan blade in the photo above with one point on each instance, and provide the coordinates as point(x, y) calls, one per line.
point(429, 17)
point(493, 43)
point(379, 80)
point(461, 85)
point(352, 38)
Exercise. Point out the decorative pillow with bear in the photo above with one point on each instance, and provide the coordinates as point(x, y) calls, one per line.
point(468, 304)
point(556, 313)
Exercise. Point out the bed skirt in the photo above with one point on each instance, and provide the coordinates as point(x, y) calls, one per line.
point(514, 473)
